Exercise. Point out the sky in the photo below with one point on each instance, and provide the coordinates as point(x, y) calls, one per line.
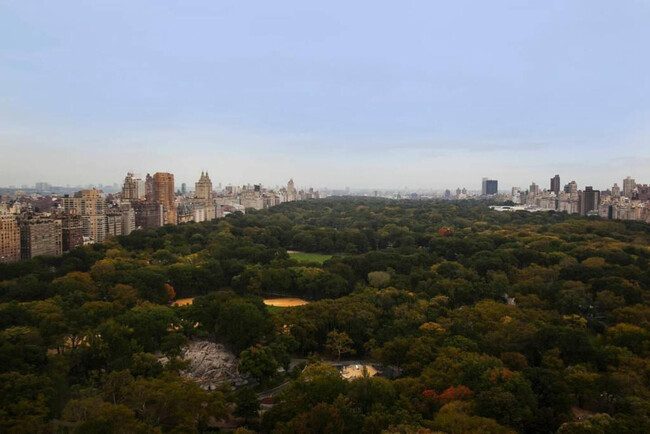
point(364, 94)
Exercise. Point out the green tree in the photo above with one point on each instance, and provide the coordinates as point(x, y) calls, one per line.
point(339, 343)
point(258, 361)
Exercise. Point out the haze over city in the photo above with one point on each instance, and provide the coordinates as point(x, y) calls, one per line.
point(367, 95)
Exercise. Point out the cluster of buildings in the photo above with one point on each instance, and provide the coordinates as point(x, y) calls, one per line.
point(33, 225)
point(632, 202)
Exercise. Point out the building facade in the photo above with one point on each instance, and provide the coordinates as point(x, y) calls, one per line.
point(72, 231)
point(91, 206)
point(555, 184)
point(9, 239)
point(489, 187)
point(203, 188)
point(148, 215)
point(40, 236)
point(589, 200)
point(163, 193)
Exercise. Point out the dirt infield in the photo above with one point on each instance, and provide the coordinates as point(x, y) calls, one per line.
point(285, 302)
point(183, 302)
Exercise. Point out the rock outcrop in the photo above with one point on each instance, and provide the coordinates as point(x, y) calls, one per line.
point(210, 364)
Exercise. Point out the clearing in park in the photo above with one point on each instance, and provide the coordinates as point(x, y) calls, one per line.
point(311, 257)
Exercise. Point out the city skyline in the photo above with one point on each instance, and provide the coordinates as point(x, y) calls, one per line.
point(424, 95)
point(561, 180)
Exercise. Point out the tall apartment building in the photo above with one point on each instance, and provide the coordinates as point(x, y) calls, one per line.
point(114, 223)
point(589, 200)
point(148, 215)
point(91, 206)
point(628, 186)
point(40, 236)
point(163, 193)
point(571, 187)
point(72, 231)
point(128, 218)
point(148, 188)
point(292, 193)
point(9, 239)
point(129, 188)
point(133, 188)
point(203, 188)
point(555, 184)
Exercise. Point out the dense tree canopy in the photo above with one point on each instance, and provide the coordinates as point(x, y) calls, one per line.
point(499, 322)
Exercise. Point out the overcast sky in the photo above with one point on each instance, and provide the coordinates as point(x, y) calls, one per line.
point(378, 94)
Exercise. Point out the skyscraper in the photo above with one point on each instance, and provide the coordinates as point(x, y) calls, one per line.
point(203, 188)
point(163, 193)
point(555, 184)
point(489, 187)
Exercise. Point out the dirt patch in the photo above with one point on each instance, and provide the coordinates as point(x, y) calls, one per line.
point(183, 302)
point(285, 302)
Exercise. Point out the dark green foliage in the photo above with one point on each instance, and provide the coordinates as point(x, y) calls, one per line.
point(81, 335)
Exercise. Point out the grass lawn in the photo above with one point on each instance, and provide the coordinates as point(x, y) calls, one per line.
point(311, 257)
point(274, 309)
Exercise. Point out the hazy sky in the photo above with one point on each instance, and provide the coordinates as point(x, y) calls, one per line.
point(333, 93)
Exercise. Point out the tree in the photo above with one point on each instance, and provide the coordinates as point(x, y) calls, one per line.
point(378, 279)
point(339, 343)
point(247, 403)
point(242, 324)
point(258, 361)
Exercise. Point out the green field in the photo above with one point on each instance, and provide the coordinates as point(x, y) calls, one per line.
point(311, 257)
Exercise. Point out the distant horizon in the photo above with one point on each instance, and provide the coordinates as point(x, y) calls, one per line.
point(299, 185)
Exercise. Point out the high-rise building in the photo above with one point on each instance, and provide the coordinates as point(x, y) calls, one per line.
point(148, 188)
point(91, 206)
point(128, 218)
point(148, 215)
point(571, 187)
point(72, 231)
point(628, 186)
point(555, 184)
point(489, 187)
point(292, 193)
point(533, 190)
point(114, 223)
point(616, 190)
point(40, 236)
point(183, 189)
point(203, 188)
point(589, 200)
point(9, 239)
point(163, 193)
point(129, 188)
